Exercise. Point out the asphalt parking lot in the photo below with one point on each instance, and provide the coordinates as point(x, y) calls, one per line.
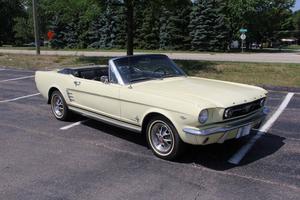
point(42, 158)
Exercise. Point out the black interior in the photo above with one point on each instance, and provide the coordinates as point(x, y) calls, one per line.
point(93, 73)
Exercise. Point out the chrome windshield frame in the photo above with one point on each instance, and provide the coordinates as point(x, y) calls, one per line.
point(114, 69)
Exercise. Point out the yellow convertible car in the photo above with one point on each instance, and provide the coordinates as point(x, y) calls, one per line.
point(151, 95)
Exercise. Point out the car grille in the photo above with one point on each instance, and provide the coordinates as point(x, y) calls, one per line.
point(243, 109)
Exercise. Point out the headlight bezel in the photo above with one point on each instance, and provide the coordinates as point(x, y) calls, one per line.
point(262, 102)
point(203, 116)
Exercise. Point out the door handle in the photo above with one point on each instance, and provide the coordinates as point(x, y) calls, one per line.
point(77, 83)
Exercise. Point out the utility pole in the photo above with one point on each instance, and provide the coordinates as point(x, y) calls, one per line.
point(36, 27)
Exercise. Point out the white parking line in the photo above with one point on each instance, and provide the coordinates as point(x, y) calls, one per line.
point(15, 79)
point(18, 98)
point(2, 69)
point(72, 125)
point(238, 156)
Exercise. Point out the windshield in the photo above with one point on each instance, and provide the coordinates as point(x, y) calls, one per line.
point(146, 67)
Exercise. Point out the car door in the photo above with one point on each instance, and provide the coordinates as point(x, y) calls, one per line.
point(95, 96)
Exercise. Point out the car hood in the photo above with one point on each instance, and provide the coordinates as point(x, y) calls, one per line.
point(201, 91)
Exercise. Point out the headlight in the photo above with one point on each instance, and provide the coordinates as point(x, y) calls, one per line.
point(203, 116)
point(227, 113)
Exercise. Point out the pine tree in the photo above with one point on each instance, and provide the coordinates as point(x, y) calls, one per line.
point(149, 31)
point(119, 28)
point(139, 18)
point(221, 27)
point(83, 33)
point(106, 31)
point(94, 34)
point(200, 24)
point(184, 15)
point(57, 26)
point(164, 35)
point(71, 35)
point(174, 23)
point(75, 32)
point(208, 30)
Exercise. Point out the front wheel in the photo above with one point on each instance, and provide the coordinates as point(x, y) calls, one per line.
point(163, 138)
point(59, 106)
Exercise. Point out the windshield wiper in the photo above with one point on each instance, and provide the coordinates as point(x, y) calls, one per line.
point(154, 78)
point(141, 79)
point(170, 75)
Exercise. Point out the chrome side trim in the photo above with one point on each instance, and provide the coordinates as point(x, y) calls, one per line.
point(70, 95)
point(107, 120)
point(225, 128)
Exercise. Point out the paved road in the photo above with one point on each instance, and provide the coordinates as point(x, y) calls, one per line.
point(237, 57)
point(39, 161)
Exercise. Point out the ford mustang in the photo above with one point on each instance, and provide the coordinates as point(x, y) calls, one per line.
point(149, 94)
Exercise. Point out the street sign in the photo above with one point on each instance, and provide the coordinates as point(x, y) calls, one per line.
point(243, 30)
point(243, 36)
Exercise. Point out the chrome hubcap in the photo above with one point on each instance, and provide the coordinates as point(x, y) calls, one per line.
point(161, 137)
point(57, 106)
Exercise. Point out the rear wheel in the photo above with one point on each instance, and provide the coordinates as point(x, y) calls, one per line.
point(59, 107)
point(163, 138)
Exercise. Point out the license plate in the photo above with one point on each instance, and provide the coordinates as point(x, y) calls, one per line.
point(244, 131)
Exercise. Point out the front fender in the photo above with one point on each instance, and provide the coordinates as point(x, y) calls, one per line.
point(179, 120)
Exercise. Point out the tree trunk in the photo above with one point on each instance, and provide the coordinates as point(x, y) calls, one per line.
point(129, 44)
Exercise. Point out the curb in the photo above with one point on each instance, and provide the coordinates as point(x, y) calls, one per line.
point(281, 88)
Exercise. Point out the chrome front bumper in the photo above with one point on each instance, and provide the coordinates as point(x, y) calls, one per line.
point(228, 126)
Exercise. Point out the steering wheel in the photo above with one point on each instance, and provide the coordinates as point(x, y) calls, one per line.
point(159, 69)
point(135, 69)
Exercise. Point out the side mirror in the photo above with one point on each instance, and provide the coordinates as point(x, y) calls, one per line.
point(104, 79)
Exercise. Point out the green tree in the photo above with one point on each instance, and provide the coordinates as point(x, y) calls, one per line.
point(296, 20)
point(58, 27)
point(9, 10)
point(140, 6)
point(208, 26)
point(71, 34)
point(70, 20)
point(264, 19)
point(236, 13)
point(149, 30)
point(120, 27)
point(156, 23)
point(107, 30)
point(296, 23)
point(94, 34)
point(23, 29)
point(268, 19)
point(174, 23)
point(164, 35)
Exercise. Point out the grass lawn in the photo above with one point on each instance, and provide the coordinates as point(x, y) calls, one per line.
point(293, 47)
point(250, 73)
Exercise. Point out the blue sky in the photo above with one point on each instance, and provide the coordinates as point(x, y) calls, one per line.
point(297, 6)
